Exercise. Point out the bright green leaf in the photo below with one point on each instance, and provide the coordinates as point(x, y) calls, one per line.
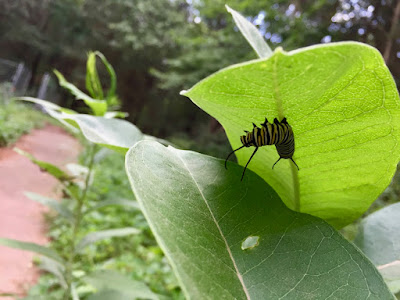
point(99, 107)
point(31, 247)
point(93, 84)
point(46, 166)
point(201, 213)
point(113, 283)
point(94, 237)
point(379, 235)
point(53, 204)
point(251, 33)
point(343, 106)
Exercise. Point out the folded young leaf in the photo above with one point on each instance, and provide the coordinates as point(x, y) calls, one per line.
point(93, 84)
point(251, 34)
point(343, 106)
point(99, 107)
point(228, 239)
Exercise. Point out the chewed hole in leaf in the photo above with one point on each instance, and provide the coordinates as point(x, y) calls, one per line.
point(250, 242)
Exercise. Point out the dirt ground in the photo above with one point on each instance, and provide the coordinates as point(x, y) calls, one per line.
point(21, 218)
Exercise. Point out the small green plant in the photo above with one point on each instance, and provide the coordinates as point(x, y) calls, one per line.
point(65, 264)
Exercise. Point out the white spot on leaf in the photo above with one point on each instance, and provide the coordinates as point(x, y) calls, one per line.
point(250, 242)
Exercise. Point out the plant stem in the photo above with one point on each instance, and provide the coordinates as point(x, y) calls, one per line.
point(389, 43)
point(78, 216)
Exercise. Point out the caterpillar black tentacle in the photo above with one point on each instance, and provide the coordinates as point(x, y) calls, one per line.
point(278, 133)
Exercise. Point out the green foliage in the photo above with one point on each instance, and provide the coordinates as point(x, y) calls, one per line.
point(205, 221)
point(342, 104)
point(98, 102)
point(136, 256)
point(17, 119)
point(216, 215)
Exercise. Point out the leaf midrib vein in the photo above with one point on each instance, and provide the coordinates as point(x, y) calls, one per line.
point(219, 229)
point(279, 106)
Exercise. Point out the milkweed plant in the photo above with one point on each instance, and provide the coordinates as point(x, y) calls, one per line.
point(274, 235)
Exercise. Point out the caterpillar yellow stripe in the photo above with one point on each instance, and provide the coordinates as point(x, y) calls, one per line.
point(278, 133)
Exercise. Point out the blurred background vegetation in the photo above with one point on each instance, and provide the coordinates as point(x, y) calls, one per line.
point(160, 47)
point(157, 49)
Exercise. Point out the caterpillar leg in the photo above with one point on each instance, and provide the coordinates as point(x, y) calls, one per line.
point(248, 163)
point(295, 163)
point(276, 163)
point(231, 154)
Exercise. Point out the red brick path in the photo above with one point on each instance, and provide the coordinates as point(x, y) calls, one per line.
point(21, 218)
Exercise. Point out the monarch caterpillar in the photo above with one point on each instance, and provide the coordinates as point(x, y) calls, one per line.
point(278, 133)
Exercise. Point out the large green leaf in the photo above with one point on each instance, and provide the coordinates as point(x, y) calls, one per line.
point(379, 235)
point(343, 106)
point(203, 216)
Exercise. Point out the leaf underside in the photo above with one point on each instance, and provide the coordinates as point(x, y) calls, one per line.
point(379, 235)
point(343, 106)
point(201, 214)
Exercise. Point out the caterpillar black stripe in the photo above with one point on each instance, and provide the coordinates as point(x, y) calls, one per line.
point(278, 133)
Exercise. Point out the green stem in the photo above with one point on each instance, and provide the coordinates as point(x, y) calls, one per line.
point(296, 186)
point(78, 216)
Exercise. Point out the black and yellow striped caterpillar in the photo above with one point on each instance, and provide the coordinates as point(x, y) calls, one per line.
point(278, 133)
